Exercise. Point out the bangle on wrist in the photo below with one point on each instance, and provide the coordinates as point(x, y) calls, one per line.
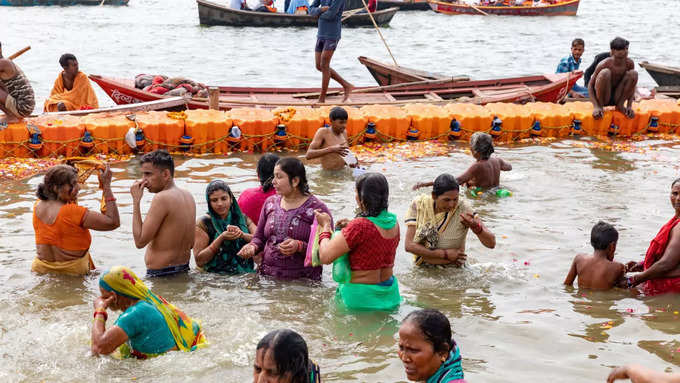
point(102, 313)
point(111, 199)
point(98, 319)
point(446, 255)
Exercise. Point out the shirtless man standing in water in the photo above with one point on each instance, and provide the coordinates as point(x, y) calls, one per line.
point(169, 225)
point(614, 81)
point(330, 143)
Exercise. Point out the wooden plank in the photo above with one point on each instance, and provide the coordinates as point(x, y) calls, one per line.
point(164, 103)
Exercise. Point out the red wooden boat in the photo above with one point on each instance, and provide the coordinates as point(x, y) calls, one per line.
point(563, 8)
point(549, 88)
point(546, 87)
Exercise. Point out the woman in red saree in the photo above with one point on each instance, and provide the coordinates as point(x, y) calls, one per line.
point(661, 266)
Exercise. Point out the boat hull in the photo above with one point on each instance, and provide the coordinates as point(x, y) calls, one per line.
point(568, 8)
point(30, 3)
point(210, 13)
point(408, 5)
point(662, 74)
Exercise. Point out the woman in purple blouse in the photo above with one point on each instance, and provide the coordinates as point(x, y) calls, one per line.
point(285, 223)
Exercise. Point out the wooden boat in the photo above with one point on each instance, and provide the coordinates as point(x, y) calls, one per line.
point(210, 13)
point(662, 74)
point(548, 88)
point(387, 74)
point(404, 5)
point(564, 8)
point(29, 3)
point(168, 103)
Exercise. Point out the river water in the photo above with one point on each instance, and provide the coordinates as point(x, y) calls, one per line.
point(513, 319)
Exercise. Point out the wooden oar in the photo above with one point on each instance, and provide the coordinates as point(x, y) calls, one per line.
point(389, 87)
point(351, 13)
point(379, 33)
point(478, 10)
point(19, 53)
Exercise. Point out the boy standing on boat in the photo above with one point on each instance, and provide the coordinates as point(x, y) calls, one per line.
point(571, 63)
point(614, 81)
point(328, 36)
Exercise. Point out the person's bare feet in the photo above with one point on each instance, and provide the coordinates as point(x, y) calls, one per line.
point(347, 90)
point(598, 113)
point(628, 112)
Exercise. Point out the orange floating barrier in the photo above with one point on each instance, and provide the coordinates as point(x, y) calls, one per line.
point(430, 120)
point(14, 141)
point(301, 123)
point(583, 112)
point(390, 121)
point(517, 121)
point(554, 120)
point(108, 132)
point(470, 118)
point(160, 131)
point(60, 135)
point(209, 130)
point(257, 125)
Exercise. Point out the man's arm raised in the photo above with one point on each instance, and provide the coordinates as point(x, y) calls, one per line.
point(145, 232)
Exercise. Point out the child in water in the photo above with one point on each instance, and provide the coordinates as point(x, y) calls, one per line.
point(486, 172)
point(330, 143)
point(598, 271)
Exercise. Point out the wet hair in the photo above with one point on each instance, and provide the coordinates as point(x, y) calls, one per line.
point(602, 235)
point(338, 113)
point(56, 177)
point(265, 170)
point(482, 143)
point(435, 327)
point(64, 59)
point(295, 168)
point(444, 183)
point(578, 41)
point(160, 159)
point(619, 43)
point(677, 180)
point(290, 354)
point(373, 192)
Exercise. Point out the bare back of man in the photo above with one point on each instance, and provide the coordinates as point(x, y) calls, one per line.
point(484, 173)
point(329, 147)
point(614, 82)
point(171, 245)
point(595, 272)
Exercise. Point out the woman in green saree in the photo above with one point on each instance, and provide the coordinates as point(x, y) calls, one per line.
point(370, 241)
point(222, 232)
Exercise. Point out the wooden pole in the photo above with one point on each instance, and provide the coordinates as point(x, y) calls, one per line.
point(478, 10)
point(214, 97)
point(379, 33)
point(349, 14)
point(19, 53)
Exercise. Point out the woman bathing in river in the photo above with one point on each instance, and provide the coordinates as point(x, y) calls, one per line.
point(282, 357)
point(437, 225)
point(62, 227)
point(148, 326)
point(427, 349)
point(285, 223)
point(661, 266)
point(371, 242)
point(222, 233)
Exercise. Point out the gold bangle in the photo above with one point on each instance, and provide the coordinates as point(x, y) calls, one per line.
point(98, 319)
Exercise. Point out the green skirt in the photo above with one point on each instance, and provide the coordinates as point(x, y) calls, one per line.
point(359, 296)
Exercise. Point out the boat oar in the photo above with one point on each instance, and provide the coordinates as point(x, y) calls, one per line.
point(19, 53)
point(351, 13)
point(478, 10)
point(379, 33)
point(102, 3)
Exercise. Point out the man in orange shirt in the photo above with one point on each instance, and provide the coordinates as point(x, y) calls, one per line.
point(72, 89)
